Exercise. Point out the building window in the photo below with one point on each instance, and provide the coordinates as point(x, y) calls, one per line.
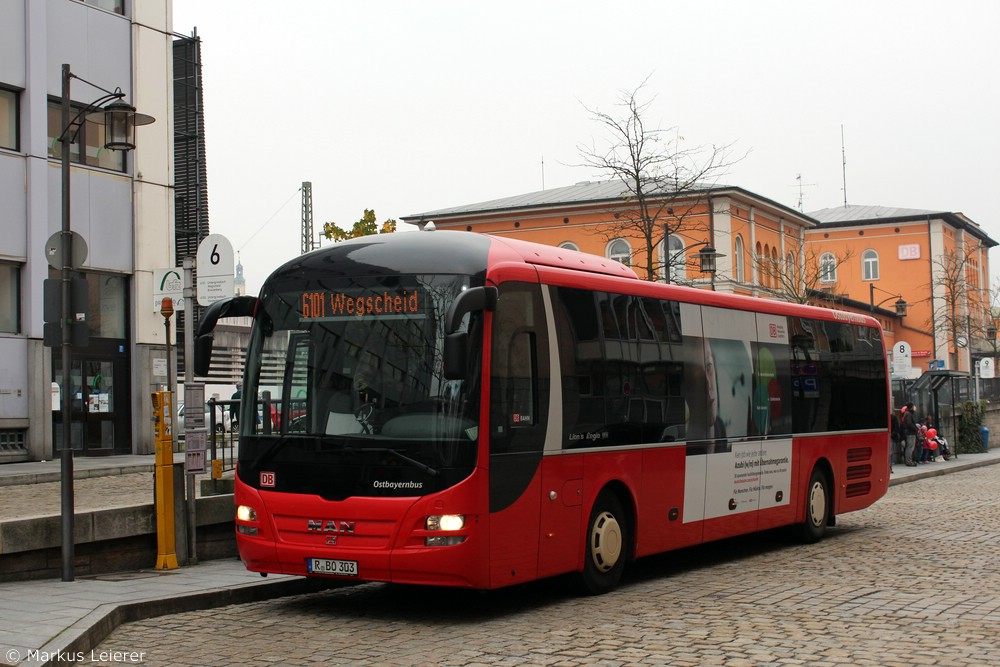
point(108, 316)
point(827, 268)
point(869, 265)
point(569, 245)
point(10, 298)
point(790, 268)
point(89, 134)
point(116, 6)
point(676, 261)
point(620, 251)
point(775, 268)
point(739, 268)
point(8, 119)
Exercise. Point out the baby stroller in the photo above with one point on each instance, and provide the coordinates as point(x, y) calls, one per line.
point(938, 445)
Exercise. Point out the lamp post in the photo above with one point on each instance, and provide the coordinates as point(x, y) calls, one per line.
point(706, 257)
point(120, 120)
point(900, 305)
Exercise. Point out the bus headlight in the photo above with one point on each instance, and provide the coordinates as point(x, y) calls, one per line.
point(445, 522)
point(249, 515)
point(448, 523)
point(246, 513)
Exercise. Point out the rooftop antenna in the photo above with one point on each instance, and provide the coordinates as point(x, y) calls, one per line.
point(801, 185)
point(843, 162)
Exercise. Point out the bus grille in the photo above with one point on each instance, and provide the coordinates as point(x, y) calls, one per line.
point(859, 454)
point(859, 474)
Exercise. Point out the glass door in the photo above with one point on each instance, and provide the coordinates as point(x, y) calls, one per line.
point(100, 406)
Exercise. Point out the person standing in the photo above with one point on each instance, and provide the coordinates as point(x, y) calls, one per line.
point(234, 408)
point(910, 433)
point(896, 436)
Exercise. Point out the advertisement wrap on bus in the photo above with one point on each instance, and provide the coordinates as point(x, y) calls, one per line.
point(465, 410)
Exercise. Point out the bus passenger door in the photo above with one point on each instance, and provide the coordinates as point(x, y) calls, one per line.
point(519, 415)
point(560, 546)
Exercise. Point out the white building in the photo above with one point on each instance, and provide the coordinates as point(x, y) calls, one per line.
point(121, 204)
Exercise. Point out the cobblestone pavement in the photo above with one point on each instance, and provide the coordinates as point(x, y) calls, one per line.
point(43, 499)
point(910, 581)
point(91, 493)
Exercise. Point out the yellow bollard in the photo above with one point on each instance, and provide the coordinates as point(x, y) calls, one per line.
point(166, 557)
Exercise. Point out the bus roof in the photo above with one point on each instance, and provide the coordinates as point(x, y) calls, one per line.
point(468, 253)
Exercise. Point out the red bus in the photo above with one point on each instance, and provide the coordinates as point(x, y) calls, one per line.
point(473, 411)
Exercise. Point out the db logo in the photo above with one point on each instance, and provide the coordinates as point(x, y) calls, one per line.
point(267, 479)
point(773, 330)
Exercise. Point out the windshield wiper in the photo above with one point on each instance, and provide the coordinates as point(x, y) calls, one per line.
point(403, 457)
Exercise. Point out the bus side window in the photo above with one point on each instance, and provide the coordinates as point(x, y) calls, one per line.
point(519, 364)
point(522, 378)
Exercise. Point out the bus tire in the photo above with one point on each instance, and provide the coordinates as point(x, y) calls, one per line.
point(606, 547)
point(818, 503)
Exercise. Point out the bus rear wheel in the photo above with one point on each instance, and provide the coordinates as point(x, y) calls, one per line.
point(606, 549)
point(817, 508)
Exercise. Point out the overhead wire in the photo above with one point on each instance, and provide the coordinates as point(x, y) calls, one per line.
point(273, 216)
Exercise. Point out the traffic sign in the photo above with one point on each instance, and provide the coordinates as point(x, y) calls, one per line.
point(986, 368)
point(54, 251)
point(215, 268)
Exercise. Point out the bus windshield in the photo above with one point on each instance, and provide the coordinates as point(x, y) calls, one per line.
point(347, 372)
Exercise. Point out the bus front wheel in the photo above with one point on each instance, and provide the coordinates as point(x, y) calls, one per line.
point(817, 508)
point(607, 545)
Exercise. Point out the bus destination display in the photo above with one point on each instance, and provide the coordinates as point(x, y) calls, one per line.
point(322, 305)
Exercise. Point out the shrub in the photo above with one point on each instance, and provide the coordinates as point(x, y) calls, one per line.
point(969, 423)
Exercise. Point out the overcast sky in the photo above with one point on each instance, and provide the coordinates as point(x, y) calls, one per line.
point(406, 107)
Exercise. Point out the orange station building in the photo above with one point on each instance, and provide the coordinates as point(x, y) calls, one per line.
point(935, 261)
point(763, 248)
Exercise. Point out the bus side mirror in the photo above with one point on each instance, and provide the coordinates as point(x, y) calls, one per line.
point(470, 300)
point(456, 343)
point(456, 355)
point(234, 306)
point(203, 354)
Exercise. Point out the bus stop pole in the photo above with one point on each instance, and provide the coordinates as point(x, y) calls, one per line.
point(189, 301)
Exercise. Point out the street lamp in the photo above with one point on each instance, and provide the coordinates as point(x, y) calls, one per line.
point(706, 258)
point(900, 305)
point(120, 120)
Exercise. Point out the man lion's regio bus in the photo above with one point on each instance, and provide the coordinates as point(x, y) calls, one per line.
point(457, 409)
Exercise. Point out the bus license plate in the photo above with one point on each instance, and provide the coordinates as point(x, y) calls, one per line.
point(343, 568)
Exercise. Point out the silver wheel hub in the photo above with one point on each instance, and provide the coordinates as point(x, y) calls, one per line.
point(817, 504)
point(605, 541)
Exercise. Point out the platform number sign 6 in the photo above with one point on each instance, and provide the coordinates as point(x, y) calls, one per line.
point(215, 269)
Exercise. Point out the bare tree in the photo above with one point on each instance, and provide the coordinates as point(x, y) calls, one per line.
point(807, 275)
point(965, 311)
point(664, 186)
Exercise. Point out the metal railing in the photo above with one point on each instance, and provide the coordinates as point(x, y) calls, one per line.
point(223, 443)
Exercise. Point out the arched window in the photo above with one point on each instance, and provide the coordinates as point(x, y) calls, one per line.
point(676, 261)
point(620, 251)
point(738, 266)
point(758, 257)
point(790, 268)
point(767, 267)
point(569, 245)
point(869, 265)
point(827, 268)
point(775, 268)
